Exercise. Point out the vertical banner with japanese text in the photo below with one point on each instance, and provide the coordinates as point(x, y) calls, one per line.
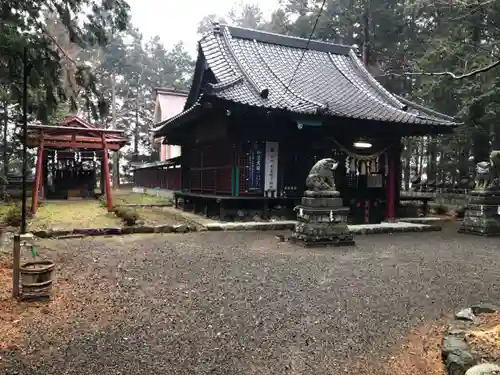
point(271, 169)
point(255, 167)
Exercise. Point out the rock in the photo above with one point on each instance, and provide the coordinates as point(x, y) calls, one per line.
point(484, 308)
point(484, 369)
point(456, 355)
point(181, 228)
point(128, 230)
point(465, 314)
point(452, 345)
point(460, 325)
point(42, 233)
point(164, 229)
point(280, 237)
point(458, 364)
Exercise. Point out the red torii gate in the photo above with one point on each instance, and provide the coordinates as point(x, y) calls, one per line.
point(73, 133)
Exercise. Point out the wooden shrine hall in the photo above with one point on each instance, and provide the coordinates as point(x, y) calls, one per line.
point(68, 156)
point(263, 108)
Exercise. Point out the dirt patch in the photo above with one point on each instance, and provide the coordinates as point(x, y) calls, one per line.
point(13, 313)
point(18, 317)
point(420, 354)
point(485, 338)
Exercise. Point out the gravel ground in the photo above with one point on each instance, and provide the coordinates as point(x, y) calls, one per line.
point(242, 303)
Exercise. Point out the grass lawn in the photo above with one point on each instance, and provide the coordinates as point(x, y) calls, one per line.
point(4, 208)
point(159, 216)
point(121, 197)
point(73, 214)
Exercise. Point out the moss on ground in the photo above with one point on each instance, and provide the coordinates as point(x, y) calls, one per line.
point(73, 214)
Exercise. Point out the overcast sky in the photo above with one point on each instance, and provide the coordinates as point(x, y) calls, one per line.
point(175, 20)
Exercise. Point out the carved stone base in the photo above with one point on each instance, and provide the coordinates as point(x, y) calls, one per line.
point(321, 202)
point(489, 197)
point(481, 219)
point(336, 240)
point(321, 194)
point(322, 221)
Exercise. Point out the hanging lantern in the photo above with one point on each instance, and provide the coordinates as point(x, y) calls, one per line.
point(362, 143)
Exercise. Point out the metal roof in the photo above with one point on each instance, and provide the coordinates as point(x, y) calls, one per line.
point(262, 69)
point(157, 164)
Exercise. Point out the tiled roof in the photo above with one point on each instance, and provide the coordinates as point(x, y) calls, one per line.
point(256, 68)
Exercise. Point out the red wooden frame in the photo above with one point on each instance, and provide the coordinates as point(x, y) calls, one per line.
point(65, 137)
point(391, 187)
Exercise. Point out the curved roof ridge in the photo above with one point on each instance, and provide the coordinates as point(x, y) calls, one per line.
point(225, 85)
point(286, 40)
point(375, 84)
point(286, 87)
point(227, 39)
point(369, 94)
point(426, 110)
point(355, 84)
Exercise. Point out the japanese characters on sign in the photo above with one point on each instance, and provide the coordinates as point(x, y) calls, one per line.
point(271, 168)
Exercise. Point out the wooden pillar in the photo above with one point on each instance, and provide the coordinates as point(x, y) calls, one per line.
point(101, 176)
point(45, 175)
point(38, 175)
point(391, 185)
point(107, 179)
point(398, 171)
point(16, 262)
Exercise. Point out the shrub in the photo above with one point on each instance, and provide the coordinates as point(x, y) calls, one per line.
point(103, 201)
point(14, 215)
point(128, 215)
point(441, 209)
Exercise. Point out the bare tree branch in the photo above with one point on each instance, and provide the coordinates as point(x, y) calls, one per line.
point(60, 48)
point(449, 74)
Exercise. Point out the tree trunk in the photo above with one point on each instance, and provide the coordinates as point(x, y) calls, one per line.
point(463, 165)
point(480, 141)
point(407, 161)
point(366, 33)
point(431, 161)
point(420, 156)
point(136, 130)
point(5, 135)
point(116, 155)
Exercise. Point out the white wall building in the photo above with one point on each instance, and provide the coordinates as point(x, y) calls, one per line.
point(169, 102)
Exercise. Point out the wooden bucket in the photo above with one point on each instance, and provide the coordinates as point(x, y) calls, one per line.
point(36, 279)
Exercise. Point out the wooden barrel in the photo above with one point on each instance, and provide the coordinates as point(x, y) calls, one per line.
point(36, 279)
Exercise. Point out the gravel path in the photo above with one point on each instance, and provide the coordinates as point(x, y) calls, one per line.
point(242, 303)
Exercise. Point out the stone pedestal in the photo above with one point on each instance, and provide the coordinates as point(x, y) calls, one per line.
point(482, 214)
point(322, 220)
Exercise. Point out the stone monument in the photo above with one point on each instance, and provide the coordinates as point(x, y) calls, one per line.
point(321, 217)
point(482, 214)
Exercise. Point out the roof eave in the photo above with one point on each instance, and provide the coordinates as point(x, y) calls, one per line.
point(165, 127)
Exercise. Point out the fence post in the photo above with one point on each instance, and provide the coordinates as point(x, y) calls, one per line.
point(16, 263)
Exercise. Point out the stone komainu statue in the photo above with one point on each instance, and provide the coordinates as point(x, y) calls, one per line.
point(488, 172)
point(321, 177)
